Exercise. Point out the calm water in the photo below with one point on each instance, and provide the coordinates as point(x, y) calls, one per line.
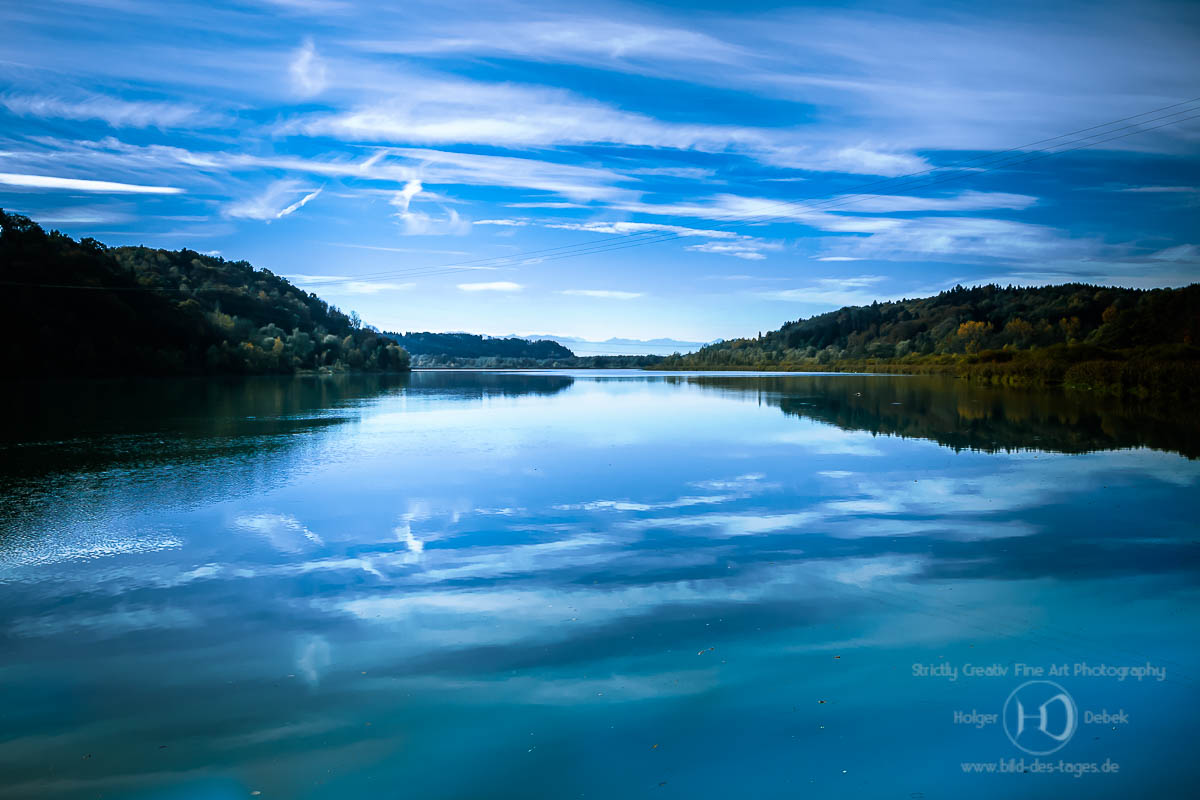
point(599, 585)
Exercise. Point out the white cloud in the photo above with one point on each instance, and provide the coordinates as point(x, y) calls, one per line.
point(861, 280)
point(748, 249)
point(839, 213)
point(1187, 253)
point(849, 291)
point(912, 81)
point(312, 657)
point(114, 111)
point(395, 165)
point(897, 238)
point(624, 228)
point(403, 198)
point(339, 284)
point(860, 160)
point(446, 111)
point(965, 201)
point(731, 244)
point(966, 238)
point(85, 215)
point(1162, 189)
point(273, 203)
point(308, 71)
point(309, 6)
point(303, 201)
point(404, 250)
point(82, 185)
point(604, 293)
point(577, 183)
point(987, 83)
point(507, 223)
point(359, 287)
point(600, 41)
point(492, 286)
point(419, 223)
point(282, 531)
point(744, 524)
point(124, 619)
point(687, 173)
point(545, 205)
point(738, 209)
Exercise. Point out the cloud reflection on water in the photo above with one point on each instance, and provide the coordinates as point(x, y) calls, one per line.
point(706, 552)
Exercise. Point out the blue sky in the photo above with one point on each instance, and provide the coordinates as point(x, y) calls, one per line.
point(437, 151)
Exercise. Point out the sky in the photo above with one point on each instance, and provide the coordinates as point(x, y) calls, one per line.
point(695, 170)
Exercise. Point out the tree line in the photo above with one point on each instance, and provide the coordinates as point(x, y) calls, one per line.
point(469, 345)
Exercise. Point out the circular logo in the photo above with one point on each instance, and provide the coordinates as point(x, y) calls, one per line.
point(1040, 717)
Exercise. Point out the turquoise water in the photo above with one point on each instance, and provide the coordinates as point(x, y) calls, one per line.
point(599, 585)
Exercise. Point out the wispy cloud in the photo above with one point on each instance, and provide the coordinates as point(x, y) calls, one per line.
point(576, 182)
point(964, 239)
point(384, 249)
point(969, 200)
point(1189, 253)
point(339, 284)
point(272, 203)
point(459, 112)
point(625, 228)
point(1162, 189)
point(686, 173)
point(419, 223)
point(837, 213)
point(493, 286)
point(748, 248)
point(607, 294)
point(303, 201)
point(307, 70)
point(82, 185)
point(116, 112)
point(545, 205)
point(596, 41)
point(86, 215)
point(855, 290)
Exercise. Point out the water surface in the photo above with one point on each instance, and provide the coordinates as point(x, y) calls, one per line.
point(592, 584)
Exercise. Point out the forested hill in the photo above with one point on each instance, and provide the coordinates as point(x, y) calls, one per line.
point(83, 308)
point(469, 345)
point(1076, 334)
point(971, 321)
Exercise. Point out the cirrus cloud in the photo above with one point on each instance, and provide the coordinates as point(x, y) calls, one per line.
point(491, 286)
point(607, 294)
point(81, 184)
